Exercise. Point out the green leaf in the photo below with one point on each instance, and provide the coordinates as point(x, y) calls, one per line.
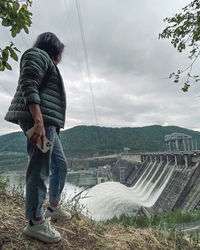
point(5, 55)
point(16, 49)
point(186, 87)
point(24, 6)
point(13, 54)
point(2, 67)
point(6, 22)
point(8, 66)
point(16, 6)
point(13, 33)
point(26, 30)
point(18, 29)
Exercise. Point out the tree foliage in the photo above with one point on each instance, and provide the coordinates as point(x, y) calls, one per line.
point(84, 141)
point(92, 140)
point(184, 33)
point(13, 14)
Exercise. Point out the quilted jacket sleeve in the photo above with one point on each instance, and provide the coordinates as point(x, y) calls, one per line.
point(33, 68)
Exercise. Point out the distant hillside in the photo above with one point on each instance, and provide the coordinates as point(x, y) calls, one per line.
point(89, 140)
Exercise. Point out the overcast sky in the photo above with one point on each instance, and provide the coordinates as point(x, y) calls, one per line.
point(128, 64)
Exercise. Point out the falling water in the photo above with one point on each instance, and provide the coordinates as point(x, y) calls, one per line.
point(110, 199)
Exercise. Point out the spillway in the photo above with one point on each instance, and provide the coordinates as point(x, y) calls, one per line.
point(110, 199)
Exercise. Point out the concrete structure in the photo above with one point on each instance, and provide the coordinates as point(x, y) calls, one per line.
point(182, 189)
point(76, 164)
point(104, 174)
point(90, 177)
point(83, 178)
point(126, 150)
point(179, 142)
point(122, 174)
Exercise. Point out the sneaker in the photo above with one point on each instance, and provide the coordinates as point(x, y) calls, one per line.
point(44, 232)
point(57, 214)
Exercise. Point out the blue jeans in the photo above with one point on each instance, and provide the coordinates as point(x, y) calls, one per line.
point(40, 165)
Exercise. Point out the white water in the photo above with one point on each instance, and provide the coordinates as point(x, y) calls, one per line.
point(110, 199)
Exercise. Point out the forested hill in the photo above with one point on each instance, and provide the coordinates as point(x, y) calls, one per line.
point(89, 140)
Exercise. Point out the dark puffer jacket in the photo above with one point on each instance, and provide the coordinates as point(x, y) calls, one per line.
point(39, 82)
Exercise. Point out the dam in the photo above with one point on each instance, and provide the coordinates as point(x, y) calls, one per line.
point(151, 183)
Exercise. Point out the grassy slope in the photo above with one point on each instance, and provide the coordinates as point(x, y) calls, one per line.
point(80, 233)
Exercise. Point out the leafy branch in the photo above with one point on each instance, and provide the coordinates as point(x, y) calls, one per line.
point(184, 32)
point(13, 14)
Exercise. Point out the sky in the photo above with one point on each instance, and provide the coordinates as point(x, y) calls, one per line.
point(128, 65)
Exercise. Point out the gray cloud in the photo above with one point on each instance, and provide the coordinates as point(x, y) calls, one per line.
point(127, 63)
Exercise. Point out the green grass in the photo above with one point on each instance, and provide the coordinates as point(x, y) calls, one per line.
point(171, 219)
point(173, 237)
point(4, 183)
point(171, 225)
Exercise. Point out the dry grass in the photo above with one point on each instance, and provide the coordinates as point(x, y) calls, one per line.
point(78, 233)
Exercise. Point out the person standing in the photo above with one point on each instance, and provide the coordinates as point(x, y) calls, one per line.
point(40, 102)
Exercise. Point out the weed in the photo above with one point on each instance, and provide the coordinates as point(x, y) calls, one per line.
point(4, 183)
point(74, 203)
point(17, 190)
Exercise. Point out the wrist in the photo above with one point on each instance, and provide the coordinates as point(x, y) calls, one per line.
point(39, 121)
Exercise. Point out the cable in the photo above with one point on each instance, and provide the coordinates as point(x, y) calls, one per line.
point(86, 58)
point(72, 36)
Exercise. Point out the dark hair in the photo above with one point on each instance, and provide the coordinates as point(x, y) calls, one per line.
point(50, 43)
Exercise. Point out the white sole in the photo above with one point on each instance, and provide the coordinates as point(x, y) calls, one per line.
point(39, 237)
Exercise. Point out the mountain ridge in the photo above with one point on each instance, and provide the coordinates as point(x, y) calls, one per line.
point(103, 140)
point(84, 141)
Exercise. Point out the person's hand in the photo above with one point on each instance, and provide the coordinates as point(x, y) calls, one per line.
point(38, 134)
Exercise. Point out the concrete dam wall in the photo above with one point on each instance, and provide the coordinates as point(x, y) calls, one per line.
point(164, 181)
point(154, 183)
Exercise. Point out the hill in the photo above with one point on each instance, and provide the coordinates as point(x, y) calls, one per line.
point(83, 141)
point(88, 140)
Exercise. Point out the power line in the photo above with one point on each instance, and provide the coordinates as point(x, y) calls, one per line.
point(72, 36)
point(86, 57)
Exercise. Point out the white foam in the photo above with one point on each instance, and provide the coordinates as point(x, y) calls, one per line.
point(109, 199)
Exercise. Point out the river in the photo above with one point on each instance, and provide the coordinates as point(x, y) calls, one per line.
point(18, 177)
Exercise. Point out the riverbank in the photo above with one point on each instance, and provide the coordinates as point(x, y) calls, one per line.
point(81, 233)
